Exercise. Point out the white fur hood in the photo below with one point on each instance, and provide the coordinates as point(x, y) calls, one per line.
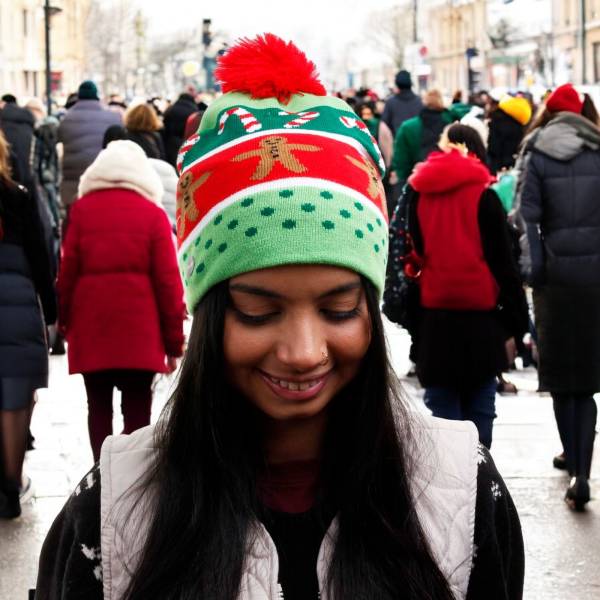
point(122, 164)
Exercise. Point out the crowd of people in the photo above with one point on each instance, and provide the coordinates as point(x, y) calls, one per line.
point(96, 193)
point(286, 412)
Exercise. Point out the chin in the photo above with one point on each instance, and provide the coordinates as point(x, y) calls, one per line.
point(282, 410)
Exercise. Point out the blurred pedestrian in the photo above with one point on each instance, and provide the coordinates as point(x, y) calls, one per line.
point(46, 179)
point(418, 137)
point(168, 178)
point(506, 130)
point(559, 210)
point(165, 171)
point(17, 124)
point(46, 168)
point(120, 294)
point(117, 104)
point(192, 123)
point(36, 107)
point(81, 132)
point(27, 301)
point(400, 107)
point(403, 105)
point(175, 119)
point(457, 97)
point(467, 273)
point(143, 126)
point(366, 111)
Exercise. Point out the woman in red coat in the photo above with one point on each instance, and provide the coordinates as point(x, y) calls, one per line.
point(120, 293)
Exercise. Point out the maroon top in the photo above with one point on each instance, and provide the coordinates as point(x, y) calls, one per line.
point(290, 487)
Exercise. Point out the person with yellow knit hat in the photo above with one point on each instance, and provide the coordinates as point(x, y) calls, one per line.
point(507, 128)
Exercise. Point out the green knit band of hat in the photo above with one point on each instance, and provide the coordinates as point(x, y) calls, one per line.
point(283, 226)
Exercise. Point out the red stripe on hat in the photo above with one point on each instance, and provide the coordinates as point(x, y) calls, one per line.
point(274, 158)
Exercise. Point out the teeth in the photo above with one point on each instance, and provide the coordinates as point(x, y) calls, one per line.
point(293, 386)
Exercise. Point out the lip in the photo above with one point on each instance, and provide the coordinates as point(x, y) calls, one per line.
point(297, 395)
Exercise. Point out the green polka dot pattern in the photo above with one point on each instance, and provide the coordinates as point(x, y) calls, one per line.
point(306, 225)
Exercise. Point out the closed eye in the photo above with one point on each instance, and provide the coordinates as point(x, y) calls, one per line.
point(253, 319)
point(337, 315)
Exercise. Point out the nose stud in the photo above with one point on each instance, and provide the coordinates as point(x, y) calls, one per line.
point(324, 359)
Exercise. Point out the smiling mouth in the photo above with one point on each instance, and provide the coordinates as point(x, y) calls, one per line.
point(295, 386)
point(302, 389)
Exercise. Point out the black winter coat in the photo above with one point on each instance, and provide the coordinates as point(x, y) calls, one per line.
point(464, 349)
point(17, 125)
point(558, 209)
point(150, 142)
point(504, 140)
point(174, 125)
point(25, 274)
point(401, 107)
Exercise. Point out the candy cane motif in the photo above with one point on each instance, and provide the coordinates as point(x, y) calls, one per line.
point(248, 120)
point(301, 118)
point(351, 122)
point(185, 148)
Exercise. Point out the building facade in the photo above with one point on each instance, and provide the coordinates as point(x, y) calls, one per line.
point(22, 46)
point(569, 41)
point(454, 27)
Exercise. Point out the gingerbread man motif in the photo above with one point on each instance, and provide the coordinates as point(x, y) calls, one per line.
point(375, 188)
point(186, 207)
point(276, 149)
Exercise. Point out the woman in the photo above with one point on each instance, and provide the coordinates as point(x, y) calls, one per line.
point(560, 217)
point(121, 299)
point(507, 127)
point(286, 423)
point(143, 125)
point(25, 280)
point(471, 299)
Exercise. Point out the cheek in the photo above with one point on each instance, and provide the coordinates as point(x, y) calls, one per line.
point(243, 347)
point(349, 344)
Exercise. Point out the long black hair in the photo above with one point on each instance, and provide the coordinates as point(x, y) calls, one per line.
point(209, 456)
point(459, 133)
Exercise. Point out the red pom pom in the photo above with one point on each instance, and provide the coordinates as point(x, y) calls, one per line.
point(268, 67)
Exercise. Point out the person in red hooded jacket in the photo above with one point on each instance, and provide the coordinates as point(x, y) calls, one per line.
point(472, 304)
point(120, 293)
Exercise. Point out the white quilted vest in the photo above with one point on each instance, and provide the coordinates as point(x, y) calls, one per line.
point(444, 491)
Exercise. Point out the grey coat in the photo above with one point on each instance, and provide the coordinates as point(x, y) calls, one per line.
point(81, 132)
point(558, 210)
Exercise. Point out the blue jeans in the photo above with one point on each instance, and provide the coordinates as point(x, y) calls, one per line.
point(476, 404)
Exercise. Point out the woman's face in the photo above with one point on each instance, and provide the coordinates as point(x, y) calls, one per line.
point(295, 336)
point(366, 113)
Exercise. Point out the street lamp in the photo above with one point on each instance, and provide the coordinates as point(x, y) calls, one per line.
point(49, 11)
point(583, 26)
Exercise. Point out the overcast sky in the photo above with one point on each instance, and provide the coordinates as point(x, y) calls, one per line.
point(322, 28)
point(325, 29)
point(320, 19)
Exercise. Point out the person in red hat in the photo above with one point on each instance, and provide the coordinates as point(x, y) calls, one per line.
point(559, 214)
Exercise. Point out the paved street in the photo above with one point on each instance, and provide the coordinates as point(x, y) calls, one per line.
point(562, 547)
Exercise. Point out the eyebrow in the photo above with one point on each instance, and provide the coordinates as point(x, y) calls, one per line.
point(265, 293)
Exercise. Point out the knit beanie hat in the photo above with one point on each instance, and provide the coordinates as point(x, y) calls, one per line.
point(88, 91)
point(403, 80)
point(278, 173)
point(517, 108)
point(564, 97)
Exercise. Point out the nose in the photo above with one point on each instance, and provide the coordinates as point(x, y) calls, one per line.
point(303, 344)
